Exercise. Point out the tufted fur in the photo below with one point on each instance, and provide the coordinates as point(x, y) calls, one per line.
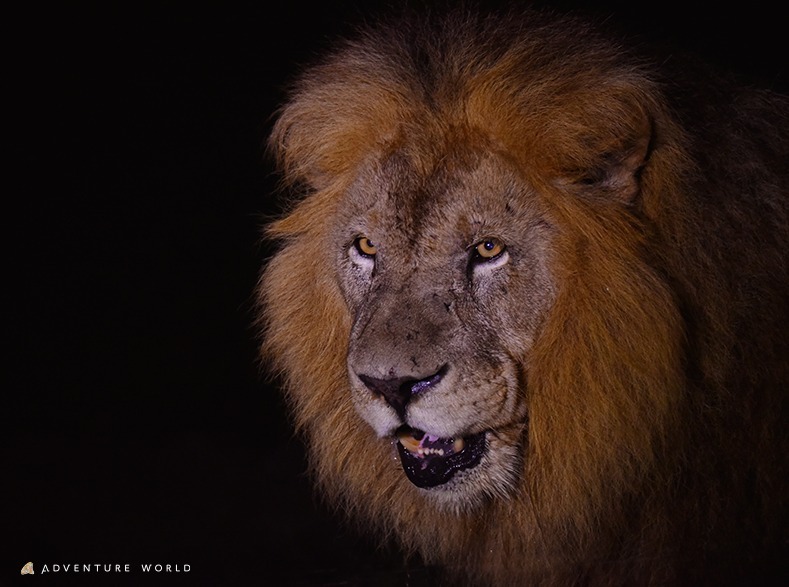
point(654, 449)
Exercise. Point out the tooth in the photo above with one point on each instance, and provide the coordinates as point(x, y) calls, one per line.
point(408, 441)
point(458, 445)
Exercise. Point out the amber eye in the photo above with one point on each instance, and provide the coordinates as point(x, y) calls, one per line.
point(365, 246)
point(487, 249)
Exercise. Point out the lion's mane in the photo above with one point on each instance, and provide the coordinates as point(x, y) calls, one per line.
point(656, 389)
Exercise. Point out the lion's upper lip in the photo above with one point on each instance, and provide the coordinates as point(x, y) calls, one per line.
point(429, 461)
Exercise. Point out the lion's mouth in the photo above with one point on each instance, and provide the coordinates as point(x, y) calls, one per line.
point(429, 461)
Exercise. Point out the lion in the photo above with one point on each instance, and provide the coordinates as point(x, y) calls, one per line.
point(529, 302)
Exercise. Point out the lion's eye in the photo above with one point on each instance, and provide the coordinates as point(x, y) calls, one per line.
point(365, 247)
point(487, 255)
point(488, 249)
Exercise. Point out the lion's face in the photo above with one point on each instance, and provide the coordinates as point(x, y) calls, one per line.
point(446, 276)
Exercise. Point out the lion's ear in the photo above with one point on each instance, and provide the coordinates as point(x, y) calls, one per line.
point(607, 151)
point(298, 153)
point(328, 126)
point(619, 172)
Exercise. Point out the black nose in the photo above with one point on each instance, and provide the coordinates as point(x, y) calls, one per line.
point(398, 391)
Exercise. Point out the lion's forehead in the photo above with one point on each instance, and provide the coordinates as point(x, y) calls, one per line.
point(455, 200)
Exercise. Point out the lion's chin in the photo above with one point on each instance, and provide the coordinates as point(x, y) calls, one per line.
point(431, 461)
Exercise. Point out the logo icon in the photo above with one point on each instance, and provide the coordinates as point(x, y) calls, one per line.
point(28, 569)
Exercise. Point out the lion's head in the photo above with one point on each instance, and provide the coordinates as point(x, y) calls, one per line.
point(473, 306)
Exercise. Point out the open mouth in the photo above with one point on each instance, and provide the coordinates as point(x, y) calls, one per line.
point(429, 461)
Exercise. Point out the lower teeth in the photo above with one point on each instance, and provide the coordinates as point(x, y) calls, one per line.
point(430, 451)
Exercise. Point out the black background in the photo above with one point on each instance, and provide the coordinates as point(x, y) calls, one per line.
point(139, 427)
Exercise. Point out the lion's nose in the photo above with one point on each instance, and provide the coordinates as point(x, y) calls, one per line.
point(398, 391)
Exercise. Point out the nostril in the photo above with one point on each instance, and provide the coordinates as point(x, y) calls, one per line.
point(398, 391)
point(419, 385)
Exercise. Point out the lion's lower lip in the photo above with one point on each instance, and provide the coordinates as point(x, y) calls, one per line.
point(437, 459)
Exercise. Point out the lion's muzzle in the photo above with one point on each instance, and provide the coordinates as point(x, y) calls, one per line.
point(428, 460)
